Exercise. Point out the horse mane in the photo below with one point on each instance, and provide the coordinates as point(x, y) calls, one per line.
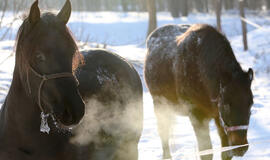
point(26, 28)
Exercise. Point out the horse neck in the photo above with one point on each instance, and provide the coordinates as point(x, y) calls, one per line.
point(215, 78)
point(20, 114)
point(20, 123)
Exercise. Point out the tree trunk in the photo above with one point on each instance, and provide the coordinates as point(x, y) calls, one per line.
point(161, 5)
point(174, 7)
point(3, 9)
point(199, 5)
point(244, 26)
point(184, 8)
point(252, 4)
point(218, 14)
point(124, 5)
point(152, 23)
point(228, 4)
point(143, 5)
point(268, 4)
point(206, 6)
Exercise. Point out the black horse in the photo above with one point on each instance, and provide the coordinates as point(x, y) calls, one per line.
point(192, 70)
point(112, 91)
point(45, 84)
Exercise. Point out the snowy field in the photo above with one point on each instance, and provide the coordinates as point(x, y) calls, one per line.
point(124, 33)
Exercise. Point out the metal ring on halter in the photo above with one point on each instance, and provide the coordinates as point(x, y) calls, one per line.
point(45, 78)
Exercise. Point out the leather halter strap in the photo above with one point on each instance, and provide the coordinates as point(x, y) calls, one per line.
point(227, 128)
point(45, 78)
point(232, 128)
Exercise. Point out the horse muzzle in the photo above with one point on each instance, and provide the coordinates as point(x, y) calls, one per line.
point(72, 114)
point(238, 138)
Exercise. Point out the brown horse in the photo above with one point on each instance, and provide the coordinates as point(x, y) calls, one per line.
point(192, 70)
point(44, 84)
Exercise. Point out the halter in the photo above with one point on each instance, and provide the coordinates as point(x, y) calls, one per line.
point(45, 78)
point(232, 128)
point(227, 128)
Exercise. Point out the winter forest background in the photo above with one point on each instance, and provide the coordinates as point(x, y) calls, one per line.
point(138, 5)
point(177, 8)
point(122, 27)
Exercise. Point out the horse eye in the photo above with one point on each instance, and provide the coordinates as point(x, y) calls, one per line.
point(40, 57)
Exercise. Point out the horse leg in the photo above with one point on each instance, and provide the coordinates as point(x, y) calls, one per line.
point(201, 129)
point(164, 122)
point(224, 140)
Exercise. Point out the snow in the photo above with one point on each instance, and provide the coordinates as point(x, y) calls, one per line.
point(44, 127)
point(103, 76)
point(165, 38)
point(124, 33)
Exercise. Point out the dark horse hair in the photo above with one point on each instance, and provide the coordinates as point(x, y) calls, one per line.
point(26, 28)
point(42, 84)
point(64, 105)
point(192, 70)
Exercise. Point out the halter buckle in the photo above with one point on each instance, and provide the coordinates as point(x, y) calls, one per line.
point(44, 78)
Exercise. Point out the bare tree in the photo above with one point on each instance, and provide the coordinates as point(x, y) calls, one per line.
point(268, 4)
point(174, 8)
point(152, 23)
point(16, 6)
point(199, 5)
point(184, 7)
point(228, 4)
point(124, 5)
point(252, 4)
point(206, 6)
point(3, 9)
point(244, 26)
point(218, 13)
point(161, 5)
point(142, 5)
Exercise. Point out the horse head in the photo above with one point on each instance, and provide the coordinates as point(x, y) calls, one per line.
point(46, 56)
point(234, 110)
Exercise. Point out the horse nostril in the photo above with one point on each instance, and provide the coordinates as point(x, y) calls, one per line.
point(238, 138)
point(67, 117)
point(71, 117)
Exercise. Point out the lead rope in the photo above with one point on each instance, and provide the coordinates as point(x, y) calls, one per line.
point(44, 127)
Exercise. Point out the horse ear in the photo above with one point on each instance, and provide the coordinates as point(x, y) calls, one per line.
point(250, 74)
point(34, 15)
point(65, 12)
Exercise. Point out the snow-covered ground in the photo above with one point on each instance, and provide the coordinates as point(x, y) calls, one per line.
point(124, 33)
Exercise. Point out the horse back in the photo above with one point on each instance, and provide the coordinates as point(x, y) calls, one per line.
point(112, 91)
point(103, 69)
point(159, 65)
point(176, 64)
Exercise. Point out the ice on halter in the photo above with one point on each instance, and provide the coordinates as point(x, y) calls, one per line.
point(44, 127)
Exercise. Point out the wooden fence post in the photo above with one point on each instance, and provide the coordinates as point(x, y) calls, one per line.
point(244, 25)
